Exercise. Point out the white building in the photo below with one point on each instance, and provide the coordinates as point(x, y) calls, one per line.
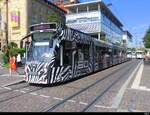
point(127, 39)
point(96, 19)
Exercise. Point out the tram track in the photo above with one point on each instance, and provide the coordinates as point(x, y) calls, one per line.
point(94, 101)
point(55, 106)
point(11, 90)
point(18, 95)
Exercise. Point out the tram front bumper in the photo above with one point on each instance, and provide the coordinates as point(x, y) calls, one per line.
point(36, 74)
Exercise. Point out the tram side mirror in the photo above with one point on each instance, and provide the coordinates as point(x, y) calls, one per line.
point(27, 45)
point(51, 43)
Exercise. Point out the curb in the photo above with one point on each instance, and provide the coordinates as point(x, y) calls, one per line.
point(14, 83)
point(6, 75)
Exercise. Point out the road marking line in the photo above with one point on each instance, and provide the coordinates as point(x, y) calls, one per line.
point(117, 100)
point(26, 89)
point(33, 93)
point(7, 88)
point(99, 106)
point(23, 92)
point(144, 88)
point(82, 103)
point(57, 98)
point(45, 96)
point(125, 110)
point(137, 80)
point(71, 101)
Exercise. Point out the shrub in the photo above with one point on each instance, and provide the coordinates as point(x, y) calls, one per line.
point(5, 59)
point(21, 51)
point(13, 52)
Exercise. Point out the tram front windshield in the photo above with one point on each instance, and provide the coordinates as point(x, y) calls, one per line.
point(39, 49)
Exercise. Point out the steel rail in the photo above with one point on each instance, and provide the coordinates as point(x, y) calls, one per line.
point(20, 95)
point(51, 108)
point(13, 89)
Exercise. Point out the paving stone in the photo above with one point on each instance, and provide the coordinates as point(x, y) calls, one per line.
point(136, 100)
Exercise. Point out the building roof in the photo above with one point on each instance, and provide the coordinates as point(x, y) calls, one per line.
point(55, 6)
point(103, 7)
point(64, 2)
point(63, 8)
point(84, 3)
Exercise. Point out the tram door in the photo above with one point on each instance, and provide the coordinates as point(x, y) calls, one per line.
point(67, 54)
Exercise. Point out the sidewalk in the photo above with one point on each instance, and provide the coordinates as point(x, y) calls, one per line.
point(6, 79)
point(137, 95)
point(5, 71)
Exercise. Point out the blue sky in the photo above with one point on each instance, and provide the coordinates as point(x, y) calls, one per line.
point(134, 14)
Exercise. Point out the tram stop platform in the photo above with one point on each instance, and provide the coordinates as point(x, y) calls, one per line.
point(137, 96)
point(16, 76)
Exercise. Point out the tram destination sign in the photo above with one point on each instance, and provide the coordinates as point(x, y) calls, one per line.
point(43, 27)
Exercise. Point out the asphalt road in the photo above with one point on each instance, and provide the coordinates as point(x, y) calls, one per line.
point(101, 95)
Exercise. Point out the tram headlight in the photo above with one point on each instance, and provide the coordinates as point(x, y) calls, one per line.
point(42, 71)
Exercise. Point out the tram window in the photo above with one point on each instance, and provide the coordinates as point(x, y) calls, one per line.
point(98, 53)
point(42, 36)
point(83, 52)
point(80, 55)
point(115, 52)
point(86, 52)
point(67, 53)
point(57, 62)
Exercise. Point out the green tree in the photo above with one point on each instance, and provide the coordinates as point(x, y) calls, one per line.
point(131, 49)
point(11, 50)
point(147, 39)
point(53, 18)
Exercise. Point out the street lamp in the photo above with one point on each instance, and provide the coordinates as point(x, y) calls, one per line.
point(7, 22)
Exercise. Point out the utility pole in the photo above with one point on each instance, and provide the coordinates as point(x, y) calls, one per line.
point(6, 22)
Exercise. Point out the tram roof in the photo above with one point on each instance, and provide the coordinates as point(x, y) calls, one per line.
point(102, 43)
point(50, 23)
point(119, 47)
point(77, 36)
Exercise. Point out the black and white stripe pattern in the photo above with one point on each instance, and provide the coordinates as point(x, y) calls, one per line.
point(62, 74)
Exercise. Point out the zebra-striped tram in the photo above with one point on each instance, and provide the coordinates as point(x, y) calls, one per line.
point(56, 54)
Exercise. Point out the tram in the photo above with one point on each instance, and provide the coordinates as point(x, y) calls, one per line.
point(56, 54)
point(140, 54)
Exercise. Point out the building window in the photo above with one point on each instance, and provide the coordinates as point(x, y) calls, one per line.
point(82, 9)
point(93, 7)
point(34, 19)
point(33, 5)
point(42, 10)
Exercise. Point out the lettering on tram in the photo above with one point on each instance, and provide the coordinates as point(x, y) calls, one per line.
point(56, 54)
